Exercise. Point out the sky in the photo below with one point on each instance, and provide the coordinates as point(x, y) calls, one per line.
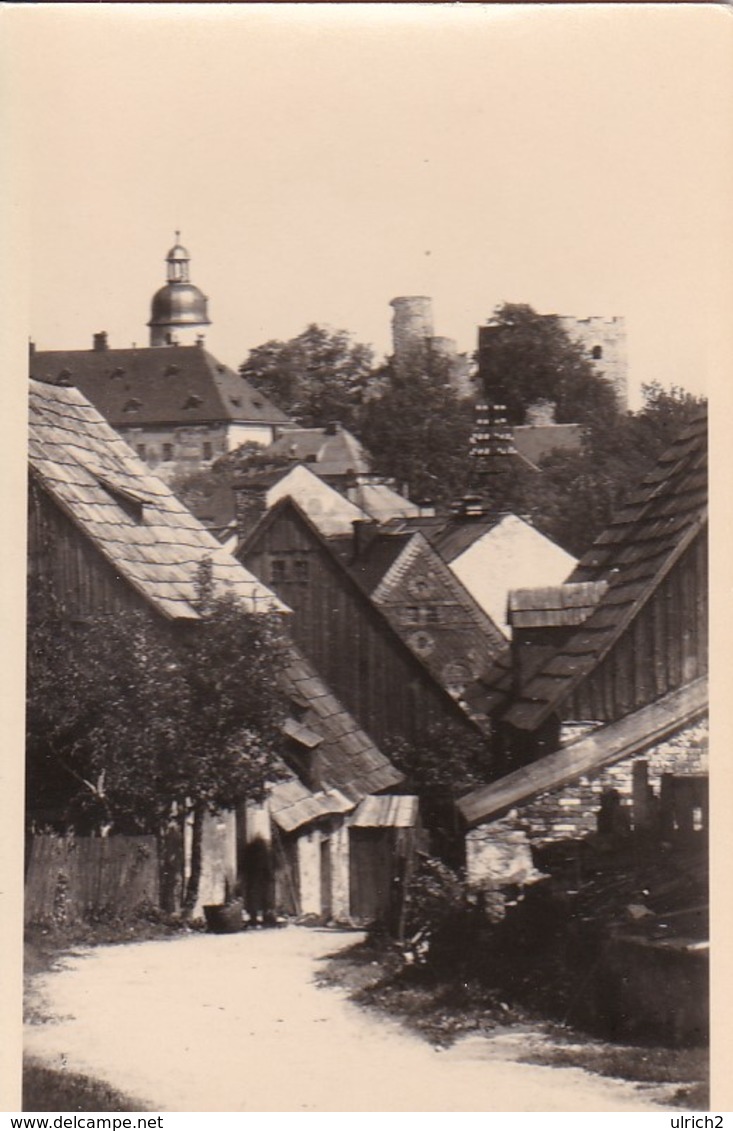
point(321, 159)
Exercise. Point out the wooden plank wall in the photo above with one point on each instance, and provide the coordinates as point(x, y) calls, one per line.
point(69, 878)
point(58, 552)
point(359, 656)
point(665, 647)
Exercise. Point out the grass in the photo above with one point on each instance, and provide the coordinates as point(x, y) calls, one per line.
point(444, 1011)
point(54, 1089)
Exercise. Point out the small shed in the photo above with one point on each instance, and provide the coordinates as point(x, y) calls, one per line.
point(383, 834)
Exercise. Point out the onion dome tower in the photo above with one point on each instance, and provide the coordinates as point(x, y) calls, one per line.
point(178, 314)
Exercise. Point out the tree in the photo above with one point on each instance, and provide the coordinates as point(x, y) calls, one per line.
point(317, 377)
point(527, 357)
point(575, 498)
point(132, 724)
point(418, 430)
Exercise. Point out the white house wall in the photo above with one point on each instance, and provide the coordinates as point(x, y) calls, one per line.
point(238, 434)
point(309, 866)
point(219, 857)
point(512, 555)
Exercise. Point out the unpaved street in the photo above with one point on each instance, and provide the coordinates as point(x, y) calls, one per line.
point(235, 1023)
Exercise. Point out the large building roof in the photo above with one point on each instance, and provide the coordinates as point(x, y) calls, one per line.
point(128, 514)
point(165, 385)
point(648, 535)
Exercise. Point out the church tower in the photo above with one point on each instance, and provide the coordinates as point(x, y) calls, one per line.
point(178, 315)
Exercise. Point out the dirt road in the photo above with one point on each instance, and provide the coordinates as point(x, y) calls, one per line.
point(236, 1023)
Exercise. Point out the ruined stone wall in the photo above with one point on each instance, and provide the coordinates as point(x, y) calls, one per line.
point(606, 336)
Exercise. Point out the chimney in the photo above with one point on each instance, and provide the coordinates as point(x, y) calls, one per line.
point(99, 341)
point(365, 531)
point(31, 347)
point(200, 341)
point(333, 428)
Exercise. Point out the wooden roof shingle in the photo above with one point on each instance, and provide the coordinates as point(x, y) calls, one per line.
point(634, 555)
point(131, 517)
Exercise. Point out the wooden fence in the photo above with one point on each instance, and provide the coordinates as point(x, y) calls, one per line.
point(70, 878)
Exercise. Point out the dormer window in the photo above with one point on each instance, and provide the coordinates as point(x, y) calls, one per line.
point(597, 353)
point(129, 500)
point(132, 405)
point(193, 401)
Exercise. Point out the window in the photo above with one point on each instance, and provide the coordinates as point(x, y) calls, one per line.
point(278, 571)
point(141, 450)
point(597, 353)
point(208, 451)
point(167, 453)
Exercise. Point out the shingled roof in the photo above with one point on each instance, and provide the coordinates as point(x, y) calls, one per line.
point(129, 515)
point(350, 764)
point(170, 385)
point(656, 525)
point(329, 451)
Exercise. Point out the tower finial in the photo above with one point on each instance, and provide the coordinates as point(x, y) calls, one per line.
point(178, 235)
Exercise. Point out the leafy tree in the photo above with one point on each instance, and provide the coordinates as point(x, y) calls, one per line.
point(202, 487)
point(316, 377)
point(132, 724)
point(448, 760)
point(574, 499)
point(529, 357)
point(418, 429)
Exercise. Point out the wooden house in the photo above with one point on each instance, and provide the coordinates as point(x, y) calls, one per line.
point(492, 554)
point(348, 637)
point(111, 537)
point(427, 606)
point(310, 834)
point(609, 684)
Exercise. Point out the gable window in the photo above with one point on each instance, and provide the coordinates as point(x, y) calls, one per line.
point(302, 570)
point(208, 451)
point(141, 450)
point(167, 453)
point(278, 571)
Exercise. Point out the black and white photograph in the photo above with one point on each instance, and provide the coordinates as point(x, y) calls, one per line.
point(366, 349)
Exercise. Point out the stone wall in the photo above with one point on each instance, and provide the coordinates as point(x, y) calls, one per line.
point(499, 851)
point(572, 810)
point(605, 342)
